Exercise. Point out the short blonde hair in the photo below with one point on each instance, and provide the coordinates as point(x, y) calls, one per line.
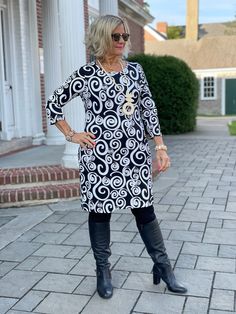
point(99, 39)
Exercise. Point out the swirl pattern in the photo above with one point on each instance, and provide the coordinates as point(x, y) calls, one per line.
point(117, 173)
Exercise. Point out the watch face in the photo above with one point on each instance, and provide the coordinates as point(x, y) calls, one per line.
point(68, 138)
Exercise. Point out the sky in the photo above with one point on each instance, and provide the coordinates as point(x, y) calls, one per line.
point(174, 11)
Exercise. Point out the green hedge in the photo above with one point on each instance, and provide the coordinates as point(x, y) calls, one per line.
point(175, 90)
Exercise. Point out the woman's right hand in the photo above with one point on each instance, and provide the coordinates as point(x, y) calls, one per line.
point(84, 139)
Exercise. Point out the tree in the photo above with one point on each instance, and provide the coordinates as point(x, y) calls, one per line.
point(174, 32)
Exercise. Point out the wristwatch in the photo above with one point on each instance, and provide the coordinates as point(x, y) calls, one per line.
point(69, 135)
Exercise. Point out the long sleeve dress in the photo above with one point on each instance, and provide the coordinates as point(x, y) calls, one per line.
point(117, 172)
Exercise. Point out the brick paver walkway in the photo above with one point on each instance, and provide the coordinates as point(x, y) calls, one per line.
point(46, 264)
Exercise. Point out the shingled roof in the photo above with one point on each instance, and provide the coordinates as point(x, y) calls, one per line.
point(213, 29)
point(217, 29)
point(209, 52)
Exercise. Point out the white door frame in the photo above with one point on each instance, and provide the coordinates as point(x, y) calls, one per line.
point(7, 112)
point(23, 56)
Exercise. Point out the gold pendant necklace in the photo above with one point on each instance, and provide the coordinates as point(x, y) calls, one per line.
point(128, 107)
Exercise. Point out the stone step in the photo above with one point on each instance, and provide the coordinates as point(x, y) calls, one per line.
point(36, 174)
point(30, 185)
point(35, 193)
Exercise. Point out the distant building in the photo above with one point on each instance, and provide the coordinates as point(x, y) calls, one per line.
point(209, 49)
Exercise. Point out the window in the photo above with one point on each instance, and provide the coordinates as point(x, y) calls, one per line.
point(209, 88)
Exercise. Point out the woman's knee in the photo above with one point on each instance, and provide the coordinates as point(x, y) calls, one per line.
point(144, 215)
point(99, 217)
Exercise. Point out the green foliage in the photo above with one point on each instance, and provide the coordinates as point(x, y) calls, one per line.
point(232, 127)
point(174, 32)
point(174, 88)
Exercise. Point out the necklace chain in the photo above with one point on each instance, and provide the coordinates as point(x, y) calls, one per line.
point(128, 106)
point(99, 63)
point(112, 78)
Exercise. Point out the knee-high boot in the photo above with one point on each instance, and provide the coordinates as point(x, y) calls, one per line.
point(152, 238)
point(100, 241)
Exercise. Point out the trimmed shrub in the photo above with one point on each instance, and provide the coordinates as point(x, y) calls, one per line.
point(174, 89)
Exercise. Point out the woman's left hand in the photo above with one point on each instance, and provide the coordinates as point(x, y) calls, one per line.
point(163, 160)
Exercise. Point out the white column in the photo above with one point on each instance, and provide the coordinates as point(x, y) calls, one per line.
point(26, 81)
point(30, 110)
point(36, 114)
point(108, 7)
point(73, 55)
point(52, 61)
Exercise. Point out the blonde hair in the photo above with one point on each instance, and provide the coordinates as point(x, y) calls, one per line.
point(99, 40)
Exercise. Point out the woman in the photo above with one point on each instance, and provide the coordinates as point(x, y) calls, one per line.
point(114, 156)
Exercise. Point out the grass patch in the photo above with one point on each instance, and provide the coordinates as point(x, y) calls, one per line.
point(232, 127)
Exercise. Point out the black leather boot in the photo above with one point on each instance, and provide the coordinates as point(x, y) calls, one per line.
point(100, 240)
point(152, 238)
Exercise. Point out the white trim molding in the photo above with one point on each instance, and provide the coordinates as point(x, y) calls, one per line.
point(217, 72)
point(223, 97)
point(134, 11)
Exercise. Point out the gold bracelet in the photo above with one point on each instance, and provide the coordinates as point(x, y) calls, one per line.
point(161, 147)
point(69, 135)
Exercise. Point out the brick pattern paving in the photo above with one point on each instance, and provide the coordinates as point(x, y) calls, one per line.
point(50, 267)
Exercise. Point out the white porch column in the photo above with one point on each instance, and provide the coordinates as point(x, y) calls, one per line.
point(73, 55)
point(23, 10)
point(31, 106)
point(36, 114)
point(108, 7)
point(52, 61)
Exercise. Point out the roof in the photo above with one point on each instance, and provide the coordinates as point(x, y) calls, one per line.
point(213, 29)
point(154, 33)
point(209, 52)
point(217, 29)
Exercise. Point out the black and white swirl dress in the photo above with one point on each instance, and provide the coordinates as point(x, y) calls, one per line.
point(117, 173)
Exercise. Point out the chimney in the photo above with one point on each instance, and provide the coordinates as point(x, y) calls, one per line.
point(192, 20)
point(161, 27)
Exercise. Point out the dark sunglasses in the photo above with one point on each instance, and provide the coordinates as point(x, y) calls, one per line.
point(117, 36)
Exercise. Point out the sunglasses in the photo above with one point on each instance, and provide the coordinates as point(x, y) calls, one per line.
point(117, 36)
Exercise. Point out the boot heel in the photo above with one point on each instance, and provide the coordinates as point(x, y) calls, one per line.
point(156, 279)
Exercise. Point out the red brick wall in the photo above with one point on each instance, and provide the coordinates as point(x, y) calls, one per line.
point(40, 43)
point(136, 34)
point(136, 37)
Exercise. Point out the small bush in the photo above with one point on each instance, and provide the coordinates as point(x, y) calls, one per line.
point(232, 127)
point(175, 90)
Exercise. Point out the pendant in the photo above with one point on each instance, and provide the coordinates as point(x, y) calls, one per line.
point(128, 108)
point(129, 97)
